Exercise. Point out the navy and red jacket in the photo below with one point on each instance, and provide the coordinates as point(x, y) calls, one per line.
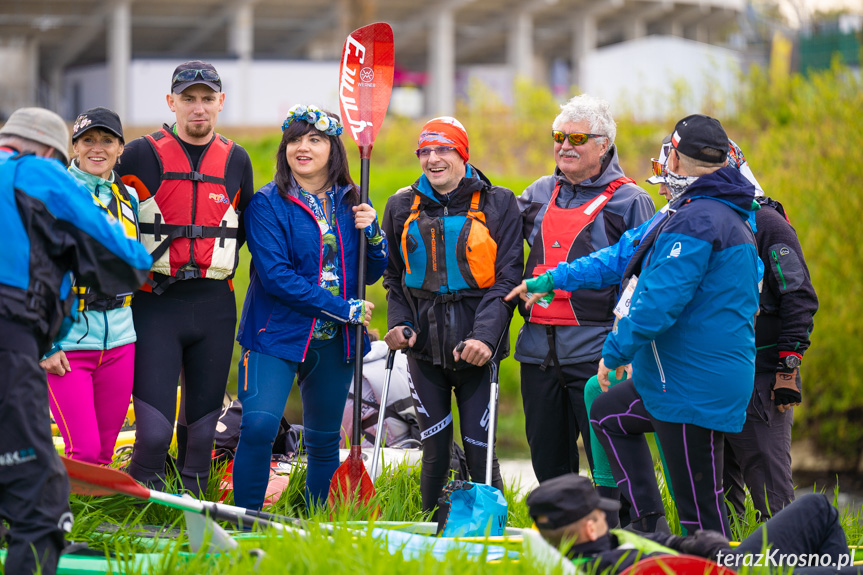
point(285, 297)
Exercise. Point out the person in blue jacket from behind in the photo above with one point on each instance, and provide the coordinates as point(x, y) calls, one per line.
point(689, 334)
point(302, 301)
point(52, 229)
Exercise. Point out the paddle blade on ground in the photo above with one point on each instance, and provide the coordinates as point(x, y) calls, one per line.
point(351, 482)
point(366, 82)
point(89, 479)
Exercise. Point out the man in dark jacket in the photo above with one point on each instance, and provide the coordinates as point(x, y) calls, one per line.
point(567, 511)
point(455, 253)
point(760, 455)
point(52, 229)
point(586, 205)
point(689, 334)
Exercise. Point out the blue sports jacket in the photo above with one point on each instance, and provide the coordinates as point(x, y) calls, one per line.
point(53, 229)
point(690, 333)
point(284, 296)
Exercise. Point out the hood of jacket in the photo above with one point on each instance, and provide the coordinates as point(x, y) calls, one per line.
point(726, 185)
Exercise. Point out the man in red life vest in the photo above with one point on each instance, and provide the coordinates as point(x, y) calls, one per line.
point(193, 184)
point(584, 206)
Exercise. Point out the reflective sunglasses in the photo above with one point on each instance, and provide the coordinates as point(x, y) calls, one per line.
point(189, 75)
point(657, 167)
point(576, 138)
point(439, 150)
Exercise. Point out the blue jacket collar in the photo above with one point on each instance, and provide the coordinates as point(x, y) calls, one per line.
point(424, 187)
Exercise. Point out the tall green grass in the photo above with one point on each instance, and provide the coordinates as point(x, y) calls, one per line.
point(120, 527)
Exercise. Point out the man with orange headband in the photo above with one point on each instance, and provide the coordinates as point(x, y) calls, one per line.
point(460, 251)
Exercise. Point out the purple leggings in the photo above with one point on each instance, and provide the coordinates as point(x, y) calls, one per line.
point(694, 455)
point(89, 403)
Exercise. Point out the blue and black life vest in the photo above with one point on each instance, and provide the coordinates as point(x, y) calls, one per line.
point(448, 254)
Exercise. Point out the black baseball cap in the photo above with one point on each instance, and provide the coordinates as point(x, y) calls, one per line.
point(694, 133)
point(98, 117)
point(565, 499)
point(195, 72)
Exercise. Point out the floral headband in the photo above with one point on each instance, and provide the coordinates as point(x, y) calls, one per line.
point(315, 116)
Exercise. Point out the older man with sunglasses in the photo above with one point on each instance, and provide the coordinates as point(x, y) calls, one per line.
point(193, 184)
point(584, 206)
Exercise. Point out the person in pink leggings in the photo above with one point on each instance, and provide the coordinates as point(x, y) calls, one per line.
point(91, 369)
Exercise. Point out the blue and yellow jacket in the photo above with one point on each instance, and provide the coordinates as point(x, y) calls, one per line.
point(284, 297)
point(690, 333)
point(100, 330)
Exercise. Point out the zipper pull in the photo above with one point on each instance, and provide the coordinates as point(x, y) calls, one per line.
point(445, 211)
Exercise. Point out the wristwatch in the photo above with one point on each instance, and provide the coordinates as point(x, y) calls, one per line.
point(790, 361)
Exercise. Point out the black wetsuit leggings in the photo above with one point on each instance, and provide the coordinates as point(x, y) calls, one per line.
point(186, 333)
point(34, 489)
point(431, 388)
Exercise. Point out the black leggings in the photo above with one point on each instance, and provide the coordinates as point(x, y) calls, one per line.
point(431, 388)
point(694, 456)
point(186, 333)
point(555, 415)
point(34, 489)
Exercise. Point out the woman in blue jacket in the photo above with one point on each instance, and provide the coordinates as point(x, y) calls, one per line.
point(302, 297)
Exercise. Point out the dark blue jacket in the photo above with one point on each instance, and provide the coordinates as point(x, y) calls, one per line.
point(52, 228)
point(690, 331)
point(284, 297)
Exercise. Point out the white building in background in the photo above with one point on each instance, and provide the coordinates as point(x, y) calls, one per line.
point(272, 53)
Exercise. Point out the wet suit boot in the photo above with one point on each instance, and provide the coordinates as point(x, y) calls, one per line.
point(195, 453)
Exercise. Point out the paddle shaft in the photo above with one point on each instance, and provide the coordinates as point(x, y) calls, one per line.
point(356, 438)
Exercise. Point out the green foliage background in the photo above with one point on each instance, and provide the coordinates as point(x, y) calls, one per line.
point(802, 137)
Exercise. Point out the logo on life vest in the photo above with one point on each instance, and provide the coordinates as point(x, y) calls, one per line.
point(675, 250)
point(433, 249)
point(220, 198)
point(556, 244)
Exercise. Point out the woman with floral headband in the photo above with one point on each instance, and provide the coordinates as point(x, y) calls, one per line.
point(302, 301)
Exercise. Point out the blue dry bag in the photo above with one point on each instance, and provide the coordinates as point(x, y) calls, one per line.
point(469, 509)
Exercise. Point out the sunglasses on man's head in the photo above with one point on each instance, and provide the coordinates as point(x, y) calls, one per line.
point(438, 150)
point(189, 75)
point(576, 138)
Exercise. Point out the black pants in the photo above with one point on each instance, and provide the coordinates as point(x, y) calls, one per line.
point(760, 455)
point(694, 456)
point(431, 389)
point(808, 527)
point(34, 488)
point(555, 416)
point(187, 333)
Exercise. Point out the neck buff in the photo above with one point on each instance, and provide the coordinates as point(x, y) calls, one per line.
point(677, 184)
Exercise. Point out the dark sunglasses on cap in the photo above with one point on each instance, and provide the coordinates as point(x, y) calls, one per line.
point(576, 138)
point(189, 75)
point(657, 167)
